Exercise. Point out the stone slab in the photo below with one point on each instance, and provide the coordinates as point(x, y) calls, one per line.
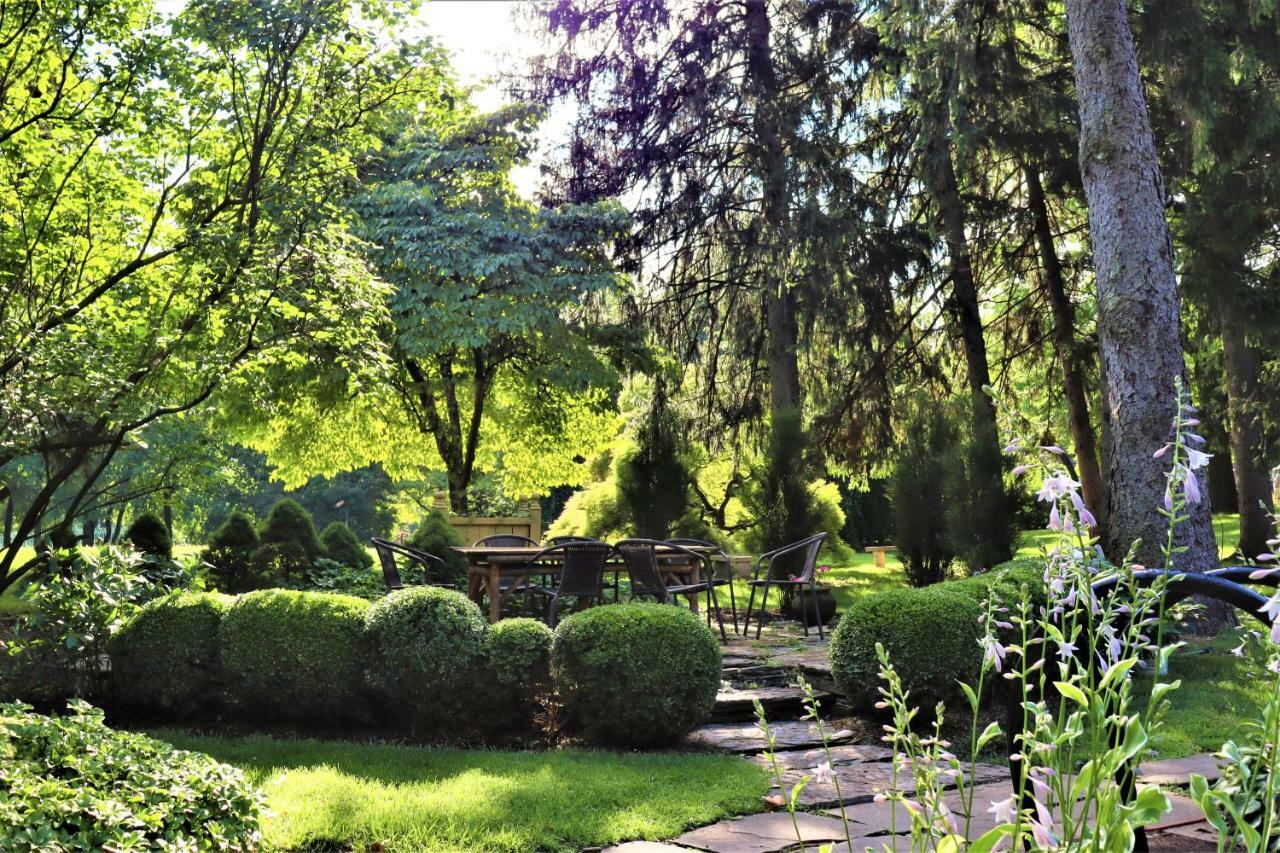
point(771, 832)
point(746, 738)
point(1185, 813)
point(1177, 771)
point(733, 700)
point(860, 781)
point(645, 847)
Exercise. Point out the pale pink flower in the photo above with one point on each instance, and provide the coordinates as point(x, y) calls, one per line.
point(1066, 649)
point(823, 774)
point(1265, 557)
point(1019, 470)
point(1057, 486)
point(1003, 810)
point(1052, 448)
point(1263, 573)
point(1192, 487)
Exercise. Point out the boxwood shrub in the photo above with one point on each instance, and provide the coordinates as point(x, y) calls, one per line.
point(428, 651)
point(636, 674)
point(164, 659)
point(71, 783)
point(295, 655)
point(931, 635)
point(342, 546)
point(520, 669)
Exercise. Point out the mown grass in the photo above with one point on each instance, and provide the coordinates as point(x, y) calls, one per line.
point(344, 795)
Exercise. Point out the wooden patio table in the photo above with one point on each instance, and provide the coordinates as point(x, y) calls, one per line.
point(487, 565)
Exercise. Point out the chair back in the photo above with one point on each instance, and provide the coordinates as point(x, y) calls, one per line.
point(564, 540)
point(506, 540)
point(582, 564)
point(388, 551)
point(796, 562)
point(641, 559)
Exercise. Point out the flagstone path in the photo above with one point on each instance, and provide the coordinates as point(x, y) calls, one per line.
point(766, 670)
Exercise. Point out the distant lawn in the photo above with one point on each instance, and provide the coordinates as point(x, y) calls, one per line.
point(337, 795)
point(1226, 531)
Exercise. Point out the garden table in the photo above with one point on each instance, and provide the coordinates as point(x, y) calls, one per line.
point(487, 565)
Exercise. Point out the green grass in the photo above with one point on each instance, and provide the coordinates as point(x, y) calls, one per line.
point(1226, 531)
point(1219, 691)
point(341, 795)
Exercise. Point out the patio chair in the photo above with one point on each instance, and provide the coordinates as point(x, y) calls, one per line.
point(641, 559)
point(721, 570)
point(387, 553)
point(582, 565)
point(778, 560)
point(564, 540)
point(514, 540)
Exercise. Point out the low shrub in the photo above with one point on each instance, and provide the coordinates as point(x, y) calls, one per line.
point(1005, 581)
point(327, 576)
point(229, 554)
point(164, 658)
point(149, 535)
point(273, 562)
point(520, 667)
point(342, 546)
point(295, 655)
point(71, 783)
point(429, 649)
point(636, 674)
point(436, 536)
point(932, 637)
point(288, 524)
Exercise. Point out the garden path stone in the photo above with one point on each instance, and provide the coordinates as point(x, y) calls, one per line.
point(735, 702)
point(762, 833)
point(1185, 813)
point(645, 847)
point(1177, 771)
point(747, 738)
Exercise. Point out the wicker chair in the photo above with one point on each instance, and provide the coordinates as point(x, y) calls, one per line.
point(721, 573)
point(807, 549)
point(640, 556)
point(564, 540)
point(582, 565)
point(387, 553)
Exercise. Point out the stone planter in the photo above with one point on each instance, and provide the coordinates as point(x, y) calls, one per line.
point(798, 604)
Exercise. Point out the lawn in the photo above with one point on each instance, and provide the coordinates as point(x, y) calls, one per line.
point(339, 795)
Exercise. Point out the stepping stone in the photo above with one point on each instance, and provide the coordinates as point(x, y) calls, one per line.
point(807, 660)
point(763, 833)
point(737, 702)
point(840, 754)
point(747, 738)
point(1177, 771)
point(645, 847)
point(860, 781)
point(1185, 813)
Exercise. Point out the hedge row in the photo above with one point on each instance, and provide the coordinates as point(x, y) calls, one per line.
point(421, 659)
point(932, 634)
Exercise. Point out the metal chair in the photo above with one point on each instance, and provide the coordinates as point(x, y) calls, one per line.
point(508, 585)
point(805, 578)
point(581, 573)
point(713, 576)
point(387, 553)
point(640, 556)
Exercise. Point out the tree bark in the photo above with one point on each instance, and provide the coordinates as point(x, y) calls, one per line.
point(1138, 320)
point(1064, 342)
point(1253, 481)
point(779, 299)
point(89, 532)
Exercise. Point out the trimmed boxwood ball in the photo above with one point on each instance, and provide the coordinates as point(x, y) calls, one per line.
point(149, 535)
point(931, 636)
point(636, 674)
point(164, 659)
point(520, 663)
point(429, 652)
point(289, 524)
point(295, 655)
point(342, 546)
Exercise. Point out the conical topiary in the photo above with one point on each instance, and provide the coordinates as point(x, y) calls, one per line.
point(289, 523)
point(342, 546)
point(150, 536)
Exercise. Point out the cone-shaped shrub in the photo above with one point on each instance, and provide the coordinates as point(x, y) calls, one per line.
point(149, 535)
point(342, 546)
point(289, 523)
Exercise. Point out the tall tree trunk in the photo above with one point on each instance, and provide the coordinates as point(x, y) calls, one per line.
point(167, 510)
point(1138, 321)
point(779, 298)
point(1064, 342)
point(118, 527)
point(945, 190)
point(89, 533)
point(1253, 482)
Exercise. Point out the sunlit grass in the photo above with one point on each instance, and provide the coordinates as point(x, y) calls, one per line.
point(343, 795)
point(1226, 531)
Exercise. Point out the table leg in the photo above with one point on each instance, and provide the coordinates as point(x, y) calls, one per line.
point(495, 594)
point(475, 585)
point(880, 564)
point(694, 577)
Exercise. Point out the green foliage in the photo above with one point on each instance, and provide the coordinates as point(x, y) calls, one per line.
point(980, 510)
point(653, 479)
point(71, 783)
point(436, 536)
point(520, 663)
point(229, 555)
point(917, 492)
point(592, 512)
point(149, 535)
point(57, 648)
point(164, 658)
point(342, 546)
point(273, 563)
point(328, 576)
point(778, 497)
point(428, 649)
point(636, 674)
point(295, 655)
point(289, 524)
point(931, 636)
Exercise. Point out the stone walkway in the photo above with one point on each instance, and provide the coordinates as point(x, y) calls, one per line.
point(766, 670)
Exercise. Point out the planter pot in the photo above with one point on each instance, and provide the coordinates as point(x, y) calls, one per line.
point(798, 605)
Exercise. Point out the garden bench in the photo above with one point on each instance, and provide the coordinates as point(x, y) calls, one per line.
point(879, 551)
